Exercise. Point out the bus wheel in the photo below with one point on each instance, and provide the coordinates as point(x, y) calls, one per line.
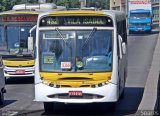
point(1, 98)
point(48, 106)
point(130, 32)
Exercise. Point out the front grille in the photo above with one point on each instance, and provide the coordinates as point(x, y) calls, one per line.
point(20, 66)
point(14, 73)
point(84, 96)
point(139, 24)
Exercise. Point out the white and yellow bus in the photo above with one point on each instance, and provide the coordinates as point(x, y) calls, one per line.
point(81, 57)
point(15, 26)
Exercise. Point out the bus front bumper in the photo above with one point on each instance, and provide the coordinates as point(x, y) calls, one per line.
point(140, 29)
point(18, 71)
point(106, 93)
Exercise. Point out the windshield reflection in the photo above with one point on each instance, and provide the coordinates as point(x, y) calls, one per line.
point(17, 37)
point(3, 45)
point(77, 50)
point(140, 15)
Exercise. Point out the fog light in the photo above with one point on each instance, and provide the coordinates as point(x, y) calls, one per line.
point(100, 85)
point(51, 85)
point(93, 86)
point(57, 86)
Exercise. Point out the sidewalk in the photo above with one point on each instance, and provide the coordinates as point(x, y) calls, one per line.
point(149, 101)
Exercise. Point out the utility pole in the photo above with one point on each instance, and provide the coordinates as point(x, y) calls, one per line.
point(126, 2)
point(41, 1)
point(82, 3)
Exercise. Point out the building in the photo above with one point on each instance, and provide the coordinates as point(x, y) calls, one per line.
point(117, 5)
point(122, 6)
point(155, 7)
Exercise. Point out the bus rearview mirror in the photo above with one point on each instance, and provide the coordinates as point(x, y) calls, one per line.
point(124, 48)
point(30, 43)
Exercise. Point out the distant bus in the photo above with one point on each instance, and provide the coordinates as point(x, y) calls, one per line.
point(140, 16)
point(16, 50)
point(81, 57)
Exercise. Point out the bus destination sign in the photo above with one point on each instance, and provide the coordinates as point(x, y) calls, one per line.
point(18, 18)
point(76, 21)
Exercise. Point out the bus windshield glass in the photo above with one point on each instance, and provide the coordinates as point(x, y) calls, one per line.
point(139, 15)
point(76, 50)
point(3, 45)
point(17, 37)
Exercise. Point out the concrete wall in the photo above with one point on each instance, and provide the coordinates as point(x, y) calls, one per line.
point(117, 5)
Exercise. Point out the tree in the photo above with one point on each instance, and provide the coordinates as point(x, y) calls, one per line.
point(8, 4)
point(102, 4)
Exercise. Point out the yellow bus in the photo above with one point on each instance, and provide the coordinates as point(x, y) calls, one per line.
point(15, 26)
point(81, 57)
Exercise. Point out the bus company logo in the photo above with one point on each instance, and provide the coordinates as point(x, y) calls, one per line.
point(140, 2)
point(19, 18)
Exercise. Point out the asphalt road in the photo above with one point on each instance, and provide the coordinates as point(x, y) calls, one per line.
point(20, 92)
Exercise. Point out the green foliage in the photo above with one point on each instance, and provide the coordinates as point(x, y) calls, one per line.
point(102, 4)
point(8, 4)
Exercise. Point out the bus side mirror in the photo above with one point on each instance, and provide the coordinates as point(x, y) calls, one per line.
point(30, 43)
point(120, 46)
point(124, 49)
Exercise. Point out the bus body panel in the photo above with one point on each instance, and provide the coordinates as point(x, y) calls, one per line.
point(2, 79)
point(19, 71)
point(16, 25)
point(17, 64)
point(110, 92)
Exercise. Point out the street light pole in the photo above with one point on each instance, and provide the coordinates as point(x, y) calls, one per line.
point(82, 3)
point(41, 1)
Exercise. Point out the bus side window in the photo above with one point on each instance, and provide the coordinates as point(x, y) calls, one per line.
point(1, 63)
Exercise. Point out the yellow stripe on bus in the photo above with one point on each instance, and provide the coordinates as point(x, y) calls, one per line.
point(18, 63)
point(18, 12)
point(75, 80)
point(77, 13)
point(69, 76)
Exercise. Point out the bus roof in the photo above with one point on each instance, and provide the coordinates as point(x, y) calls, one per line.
point(19, 12)
point(33, 8)
point(118, 15)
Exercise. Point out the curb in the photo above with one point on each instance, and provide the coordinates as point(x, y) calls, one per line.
point(150, 95)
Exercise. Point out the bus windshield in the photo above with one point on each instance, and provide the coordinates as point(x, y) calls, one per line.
point(17, 37)
point(139, 15)
point(3, 45)
point(76, 50)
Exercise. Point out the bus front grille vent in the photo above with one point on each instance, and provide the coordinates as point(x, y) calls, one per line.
point(84, 96)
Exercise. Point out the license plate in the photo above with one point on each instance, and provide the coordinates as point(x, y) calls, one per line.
point(20, 71)
point(139, 28)
point(75, 93)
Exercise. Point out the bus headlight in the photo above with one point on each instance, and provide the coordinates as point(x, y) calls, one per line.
point(131, 24)
point(54, 85)
point(45, 82)
point(99, 85)
point(148, 24)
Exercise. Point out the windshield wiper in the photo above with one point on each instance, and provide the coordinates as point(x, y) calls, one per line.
point(57, 29)
point(89, 37)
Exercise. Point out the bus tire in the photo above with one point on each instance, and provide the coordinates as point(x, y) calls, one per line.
point(112, 106)
point(48, 106)
point(149, 32)
point(1, 98)
point(5, 79)
point(122, 95)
